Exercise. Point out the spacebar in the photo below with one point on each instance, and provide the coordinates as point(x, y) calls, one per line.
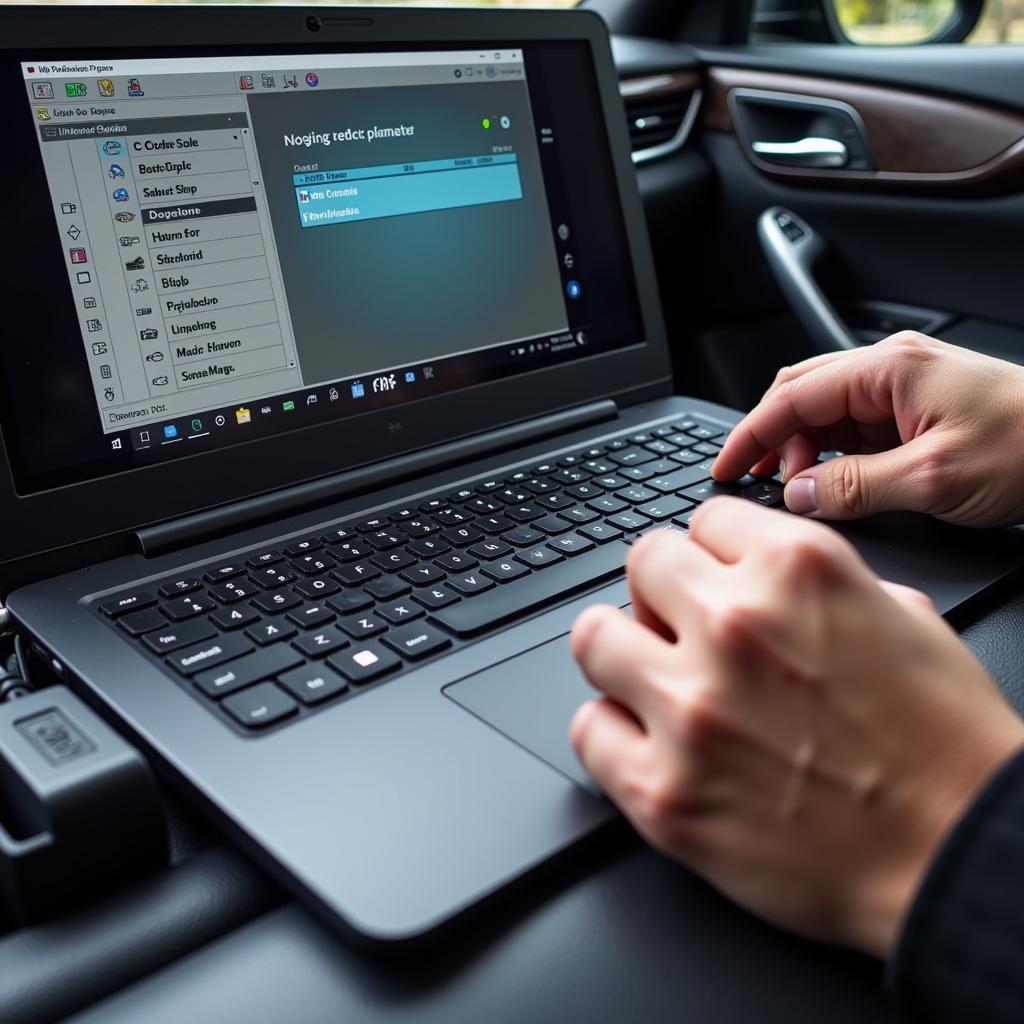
point(542, 587)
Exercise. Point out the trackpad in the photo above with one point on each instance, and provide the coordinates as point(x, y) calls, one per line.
point(531, 699)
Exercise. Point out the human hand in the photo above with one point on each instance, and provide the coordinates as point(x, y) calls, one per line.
point(927, 427)
point(792, 729)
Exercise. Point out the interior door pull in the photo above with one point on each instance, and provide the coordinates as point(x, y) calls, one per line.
point(809, 152)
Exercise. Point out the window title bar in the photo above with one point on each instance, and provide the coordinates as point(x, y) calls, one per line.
point(293, 62)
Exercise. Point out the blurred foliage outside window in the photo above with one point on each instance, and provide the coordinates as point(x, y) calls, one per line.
point(914, 21)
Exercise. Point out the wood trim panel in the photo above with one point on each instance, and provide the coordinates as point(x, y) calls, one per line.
point(917, 139)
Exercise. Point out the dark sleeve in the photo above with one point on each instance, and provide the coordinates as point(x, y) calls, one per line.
point(960, 957)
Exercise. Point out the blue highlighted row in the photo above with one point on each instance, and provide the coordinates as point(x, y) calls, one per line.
point(390, 170)
point(371, 198)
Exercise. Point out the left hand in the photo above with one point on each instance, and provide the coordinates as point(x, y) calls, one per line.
point(799, 733)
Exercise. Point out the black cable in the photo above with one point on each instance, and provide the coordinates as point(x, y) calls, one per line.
point(20, 654)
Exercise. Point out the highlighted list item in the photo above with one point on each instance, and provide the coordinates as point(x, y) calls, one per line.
point(393, 190)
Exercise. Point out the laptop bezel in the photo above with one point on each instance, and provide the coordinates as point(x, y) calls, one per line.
point(115, 504)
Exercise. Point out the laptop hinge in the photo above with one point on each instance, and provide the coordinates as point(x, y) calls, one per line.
point(200, 526)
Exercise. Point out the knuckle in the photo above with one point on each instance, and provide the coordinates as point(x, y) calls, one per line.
point(784, 374)
point(660, 801)
point(931, 477)
point(908, 345)
point(813, 554)
point(848, 487)
point(730, 626)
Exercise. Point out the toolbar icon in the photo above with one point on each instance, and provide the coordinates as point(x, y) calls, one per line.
point(120, 195)
point(245, 83)
point(243, 415)
point(135, 87)
point(312, 80)
point(358, 389)
point(170, 431)
point(69, 208)
point(288, 406)
point(197, 426)
point(78, 256)
point(75, 89)
point(267, 81)
point(74, 232)
point(106, 87)
point(83, 277)
point(42, 114)
point(116, 444)
point(42, 90)
point(93, 326)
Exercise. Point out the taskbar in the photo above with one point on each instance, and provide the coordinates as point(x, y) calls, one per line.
point(193, 433)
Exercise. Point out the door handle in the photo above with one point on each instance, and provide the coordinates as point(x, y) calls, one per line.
point(809, 152)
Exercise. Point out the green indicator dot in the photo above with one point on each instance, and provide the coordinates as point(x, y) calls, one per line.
point(486, 122)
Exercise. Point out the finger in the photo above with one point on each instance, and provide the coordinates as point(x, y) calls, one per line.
point(820, 398)
point(621, 658)
point(800, 452)
point(768, 466)
point(608, 742)
point(730, 529)
point(855, 486)
point(662, 568)
point(788, 373)
point(909, 597)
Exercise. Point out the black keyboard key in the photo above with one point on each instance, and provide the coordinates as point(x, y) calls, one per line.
point(571, 544)
point(350, 550)
point(385, 540)
point(264, 558)
point(489, 548)
point(421, 527)
point(387, 587)
point(641, 438)
point(116, 606)
point(460, 536)
point(428, 548)
point(234, 618)
point(423, 574)
point(585, 492)
point(573, 475)
point(270, 631)
point(163, 641)
point(640, 473)
point(683, 519)
point(611, 483)
point(361, 626)
point(456, 561)
point(190, 660)
point(364, 663)
point(599, 467)
point(664, 508)
point(678, 480)
point(706, 490)
point(245, 671)
point(313, 590)
point(580, 514)
point(629, 521)
point(417, 641)
point(706, 448)
point(636, 495)
point(313, 565)
point(321, 642)
point(187, 607)
point(489, 487)
point(462, 494)
point(434, 505)
point(705, 433)
point(400, 611)
point(339, 534)
point(435, 597)
point(661, 447)
point(356, 573)
point(539, 487)
point(768, 493)
point(488, 610)
point(512, 496)
point(601, 532)
point(260, 706)
point(223, 572)
point(372, 525)
point(631, 457)
point(313, 683)
point(607, 504)
point(350, 601)
point(538, 558)
point(551, 525)
point(277, 601)
point(524, 513)
point(556, 501)
point(310, 616)
point(233, 591)
point(145, 621)
point(393, 561)
point(484, 506)
point(523, 536)
point(177, 587)
point(302, 547)
point(689, 458)
point(470, 583)
point(453, 517)
point(273, 576)
point(504, 571)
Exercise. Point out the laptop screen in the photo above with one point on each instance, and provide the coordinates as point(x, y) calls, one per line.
point(237, 246)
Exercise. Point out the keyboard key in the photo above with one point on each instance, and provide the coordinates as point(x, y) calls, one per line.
point(677, 481)
point(361, 626)
point(116, 606)
point(244, 671)
point(768, 493)
point(611, 483)
point(707, 448)
point(585, 492)
point(145, 621)
point(302, 547)
point(372, 525)
point(524, 513)
point(512, 496)
point(274, 576)
point(277, 601)
point(260, 706)
point(707, 490)
point(607, 504)
point(640, 473)
point(423, 526)
point(470, 583)
point(351, 550)
point(340, 533)
point(457, 561)
point(264, 558)
point(315, 589)
point(384, 540)
point(234, 618)
point(574, 475)
point(660, 447)
point(350, 601)
point(233, 591)
point(364, 663)
point(580, 514)
point(177, 587)
point(555, 501)
point(551, 525)
point(417, 641)
point(533, 591)
point(271, 631)
point(223, 572)
point(689, 458)
point(187, 607)
point(321, 642)
point(393, 561)
point(400, 611)
point(523, 536)
point(435, 597)
point(705, 433)
point(424, 573)
point(312, 565)
point(460, 536)
point(495, 523)
point(358, 572)
point(571, 544)
point(631, 457)
point(387, 587)
point(452, 517)
point(163, 641)
point(310, 616)
point(484, 506)
point(502, 572)
point(629, 521)
point(538, 558)
point(538, 487)
point(190, 660)
point(664, 508)
point(428, 548)
point(635, 495)
point(601, 532)
point(313, 683)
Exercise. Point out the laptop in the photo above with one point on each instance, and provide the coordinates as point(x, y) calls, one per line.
point(337, 387)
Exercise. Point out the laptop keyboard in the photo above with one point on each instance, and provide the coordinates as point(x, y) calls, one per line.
point(285, 629)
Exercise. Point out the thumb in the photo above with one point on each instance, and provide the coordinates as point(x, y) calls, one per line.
point(854, 486)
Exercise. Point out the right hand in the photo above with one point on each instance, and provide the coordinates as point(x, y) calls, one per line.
point(926, 427)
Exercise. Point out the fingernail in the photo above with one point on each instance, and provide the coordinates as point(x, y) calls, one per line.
point(782, 469)
point(800, 497)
